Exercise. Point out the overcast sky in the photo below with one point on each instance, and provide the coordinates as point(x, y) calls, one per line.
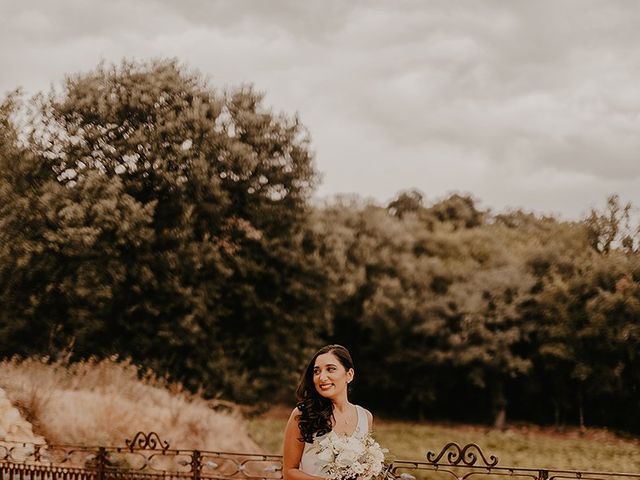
point(532, 104)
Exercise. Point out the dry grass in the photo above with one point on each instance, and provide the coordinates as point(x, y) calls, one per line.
point(105, 402)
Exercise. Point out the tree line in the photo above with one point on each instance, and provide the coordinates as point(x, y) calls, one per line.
point(145, 214)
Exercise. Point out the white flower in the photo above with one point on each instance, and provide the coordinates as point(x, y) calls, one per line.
point(325, 442)
point(346, 458)
point(326, 455)
point(355, 445)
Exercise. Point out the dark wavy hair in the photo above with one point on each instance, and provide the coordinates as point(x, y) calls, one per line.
point(316, 410)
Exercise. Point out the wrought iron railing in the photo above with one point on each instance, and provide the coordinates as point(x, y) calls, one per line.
point(147, 457)
point(454, 462)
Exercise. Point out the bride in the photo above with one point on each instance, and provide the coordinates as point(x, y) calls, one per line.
point(323, 407)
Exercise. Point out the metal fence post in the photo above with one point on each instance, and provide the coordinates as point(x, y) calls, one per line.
point(196, 464)
point(101, 460)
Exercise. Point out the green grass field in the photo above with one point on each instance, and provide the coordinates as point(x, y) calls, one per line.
point(516, 447)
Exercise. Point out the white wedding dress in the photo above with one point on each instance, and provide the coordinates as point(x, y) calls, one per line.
point(311, 464)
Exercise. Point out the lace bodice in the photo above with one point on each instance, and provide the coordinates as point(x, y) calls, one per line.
point(311, 464)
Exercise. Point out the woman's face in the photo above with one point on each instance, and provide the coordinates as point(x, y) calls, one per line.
point(330, 377)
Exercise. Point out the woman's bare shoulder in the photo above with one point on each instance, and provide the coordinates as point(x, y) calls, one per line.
point(295, 414)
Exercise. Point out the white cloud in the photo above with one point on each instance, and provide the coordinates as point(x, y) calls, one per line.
point(530, 104)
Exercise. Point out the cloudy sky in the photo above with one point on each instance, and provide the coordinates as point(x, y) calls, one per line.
point(531, 103)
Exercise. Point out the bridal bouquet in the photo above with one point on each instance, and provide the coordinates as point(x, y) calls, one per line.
point(350, 457)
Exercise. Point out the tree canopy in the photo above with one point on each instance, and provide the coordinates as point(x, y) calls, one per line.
point(145, 214)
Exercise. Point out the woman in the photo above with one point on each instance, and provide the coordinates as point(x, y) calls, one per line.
point(323, 407)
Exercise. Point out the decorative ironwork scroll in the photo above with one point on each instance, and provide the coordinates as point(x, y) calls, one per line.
point(467, 455)
point(149, 441)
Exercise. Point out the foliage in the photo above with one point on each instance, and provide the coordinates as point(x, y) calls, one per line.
point(612, 227)
point(147, 215)
point(506, 309)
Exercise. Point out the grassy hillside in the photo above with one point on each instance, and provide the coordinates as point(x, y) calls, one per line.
point(105, 402)
point(521, 446)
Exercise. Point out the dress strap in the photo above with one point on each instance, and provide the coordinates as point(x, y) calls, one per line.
point(362, 428)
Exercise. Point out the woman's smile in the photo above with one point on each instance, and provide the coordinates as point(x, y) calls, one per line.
point(330, 377)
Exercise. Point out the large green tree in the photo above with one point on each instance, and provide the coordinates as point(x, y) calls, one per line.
point(444, 303)
point(146, 214)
